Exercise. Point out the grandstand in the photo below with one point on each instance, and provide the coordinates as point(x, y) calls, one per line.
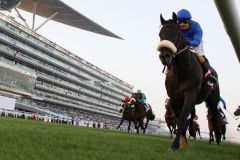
point(43, 77)
point(47, 75)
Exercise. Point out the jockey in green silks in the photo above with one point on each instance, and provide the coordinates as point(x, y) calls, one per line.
point(142, 98)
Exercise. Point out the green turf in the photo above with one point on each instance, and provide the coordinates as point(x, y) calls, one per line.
point(32, 140)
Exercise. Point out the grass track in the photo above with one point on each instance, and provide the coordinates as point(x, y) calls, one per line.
point(32, 140)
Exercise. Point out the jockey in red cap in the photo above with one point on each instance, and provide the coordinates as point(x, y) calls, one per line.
point(126, 99)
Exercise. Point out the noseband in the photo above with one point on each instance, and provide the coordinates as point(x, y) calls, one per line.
point(168, 44)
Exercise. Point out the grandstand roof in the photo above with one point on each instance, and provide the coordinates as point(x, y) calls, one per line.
point(65, 15)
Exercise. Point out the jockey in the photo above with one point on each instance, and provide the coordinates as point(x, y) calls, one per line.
point(142, 98)
point(195, 119)
point(126, 99)
point(193, 34)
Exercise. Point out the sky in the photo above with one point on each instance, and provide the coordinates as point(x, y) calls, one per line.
point(135, 59)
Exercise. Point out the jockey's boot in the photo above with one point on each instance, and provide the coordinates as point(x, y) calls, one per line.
point(211, 79)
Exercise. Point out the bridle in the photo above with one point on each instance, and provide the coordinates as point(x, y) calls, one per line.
point(170, 45)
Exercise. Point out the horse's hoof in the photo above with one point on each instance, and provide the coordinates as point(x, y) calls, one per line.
point(183, 143)
point(173, 149)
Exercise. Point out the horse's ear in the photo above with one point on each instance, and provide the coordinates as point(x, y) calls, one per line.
point(162, 20)
point(174, 17)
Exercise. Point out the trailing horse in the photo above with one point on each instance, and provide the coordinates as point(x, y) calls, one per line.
point(185, 82)
point(237, 113)
point(148, 113)
point(222, 124)
point(170, 118)
point(127, 114)
point(196, 129)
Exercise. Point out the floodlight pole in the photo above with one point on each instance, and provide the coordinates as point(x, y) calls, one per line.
point(229, 14)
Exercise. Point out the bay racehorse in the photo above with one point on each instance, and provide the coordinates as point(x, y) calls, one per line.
point(185, 83)
point(222, 124)
point(139, 112)
point(149, 113)
point(196, 129)
point(127, 114)
point(170, 118)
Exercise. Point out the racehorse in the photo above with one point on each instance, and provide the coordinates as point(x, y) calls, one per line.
point(185, 83)
point(196, 129)
point(127, 114)
point(149, 113)
point(237, 113)
point(170, 118)
point(139, 112)
point(210, 127)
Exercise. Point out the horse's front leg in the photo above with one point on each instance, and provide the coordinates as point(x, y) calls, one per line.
point(188, 105)
point(120, 123)
point(211, 139)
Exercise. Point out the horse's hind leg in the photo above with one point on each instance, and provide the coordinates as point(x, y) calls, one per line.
point(144, 130)
point(224, 132)
point(141, 125)
point(136, 125)
point(170, 130)
point(212, 102)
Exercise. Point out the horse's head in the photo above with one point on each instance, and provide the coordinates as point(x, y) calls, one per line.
point(172, 40)
point(237, 112)
point(135, 97)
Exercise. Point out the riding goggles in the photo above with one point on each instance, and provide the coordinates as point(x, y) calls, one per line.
point(185, 21)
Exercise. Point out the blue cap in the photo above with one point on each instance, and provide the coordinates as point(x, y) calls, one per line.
point(184, 14)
